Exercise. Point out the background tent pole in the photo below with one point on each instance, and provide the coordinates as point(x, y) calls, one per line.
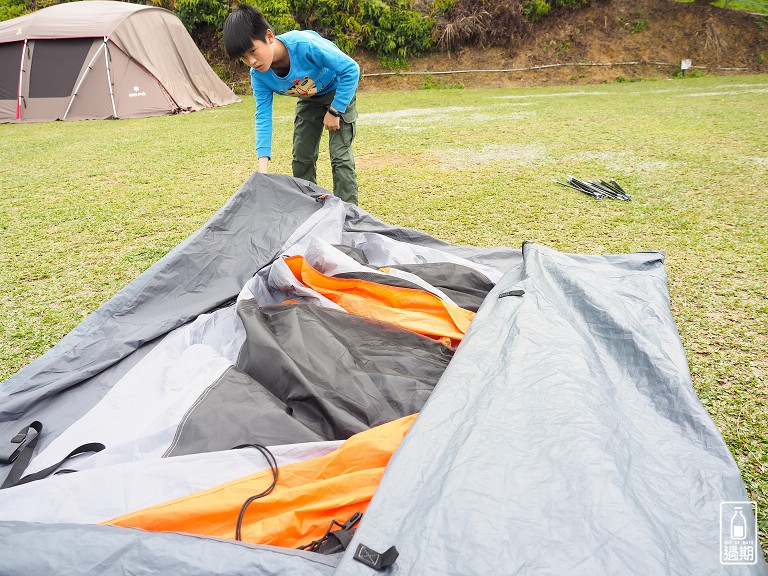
point(21, 77)
point(82, 79)
point(109, 77)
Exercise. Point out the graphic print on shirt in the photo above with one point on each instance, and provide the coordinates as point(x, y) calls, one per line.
point(302, 88)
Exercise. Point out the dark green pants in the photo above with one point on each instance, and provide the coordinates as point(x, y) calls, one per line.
point(307, 130)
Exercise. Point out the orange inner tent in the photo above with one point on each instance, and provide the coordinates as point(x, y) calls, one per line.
point(416, 310)
point(307, 496)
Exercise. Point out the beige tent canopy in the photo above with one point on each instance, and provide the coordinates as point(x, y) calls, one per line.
point(102, 59)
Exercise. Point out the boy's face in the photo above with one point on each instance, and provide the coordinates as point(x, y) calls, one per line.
point(260, 55)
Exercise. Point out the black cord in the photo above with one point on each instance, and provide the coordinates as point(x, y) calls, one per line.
point(273, 467)
point(315, 544)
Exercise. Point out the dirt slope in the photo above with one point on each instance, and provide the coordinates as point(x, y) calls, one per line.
point(658, 33)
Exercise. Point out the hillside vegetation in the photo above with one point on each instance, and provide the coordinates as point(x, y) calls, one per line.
point(555, 42)
point(540, 41)
point(606, 41)
point(393, 30)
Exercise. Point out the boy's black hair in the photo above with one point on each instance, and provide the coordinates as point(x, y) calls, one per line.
point(243, 26)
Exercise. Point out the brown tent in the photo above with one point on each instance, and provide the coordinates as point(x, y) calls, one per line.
point(101, 59)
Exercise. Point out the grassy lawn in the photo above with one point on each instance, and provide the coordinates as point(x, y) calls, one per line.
point(756, 6)
point(750, 6)
point(86, 206)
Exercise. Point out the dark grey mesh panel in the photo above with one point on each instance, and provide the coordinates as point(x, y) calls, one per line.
point(338, 374)
point(379, 279)
point(354, 253)
point(237, 410)
point(10, 60)
point(465, 285)
point(56, 65)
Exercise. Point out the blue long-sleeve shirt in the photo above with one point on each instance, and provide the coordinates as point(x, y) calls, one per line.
point(317, 67)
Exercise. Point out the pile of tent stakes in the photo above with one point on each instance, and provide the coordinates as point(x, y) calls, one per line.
point(599, 190)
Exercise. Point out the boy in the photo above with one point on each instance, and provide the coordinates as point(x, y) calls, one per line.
point(300, 63)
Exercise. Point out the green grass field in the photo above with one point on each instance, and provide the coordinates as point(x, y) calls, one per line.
point(755, 6)
point(87, 206)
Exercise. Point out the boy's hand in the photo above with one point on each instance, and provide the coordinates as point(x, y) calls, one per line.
point(331, 122)
point(264, 164)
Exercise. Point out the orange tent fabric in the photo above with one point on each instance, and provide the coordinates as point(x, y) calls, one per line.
point(308, 495)
point(416, 310)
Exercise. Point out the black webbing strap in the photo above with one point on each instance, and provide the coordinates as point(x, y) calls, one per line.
point(511, 293)
point(344, 537)
point(20, 454)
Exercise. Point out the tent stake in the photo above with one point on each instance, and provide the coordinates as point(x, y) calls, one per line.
point(576, 188)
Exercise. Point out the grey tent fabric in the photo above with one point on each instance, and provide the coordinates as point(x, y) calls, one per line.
point(564, 436)
point(74, 550)
point(581, 448)
point(204, 272)
point(502, 256)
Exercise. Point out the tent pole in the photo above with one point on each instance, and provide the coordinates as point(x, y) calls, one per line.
point(21, 77)
point(109, 77)
point(82, 79)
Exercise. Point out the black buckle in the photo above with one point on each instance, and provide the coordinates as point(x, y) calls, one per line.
point(9, 450)
point(354, 519)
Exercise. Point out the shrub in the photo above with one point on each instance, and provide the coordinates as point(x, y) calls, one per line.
point(476, 22)
point(442, 8)
point(488, 22)
point(535, 10)
point(277, 13)
point(388, 28)
point(12, 9)
point(568, 3)
point(690, 73)
point(197, 13)
point(638, 26)
point(394, 32)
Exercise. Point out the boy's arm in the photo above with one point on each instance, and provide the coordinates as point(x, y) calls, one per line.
point(262, 123)
point(326, 53)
